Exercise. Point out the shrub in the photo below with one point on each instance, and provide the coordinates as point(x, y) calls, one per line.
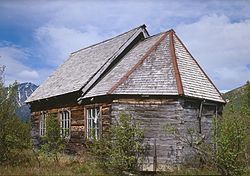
point(52, 142)
point(14, 134)
point(230, 140)
point(121, 148)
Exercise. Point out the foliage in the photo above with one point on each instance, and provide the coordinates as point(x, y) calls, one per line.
point(121, 148)
point(247, 89)
point(246, 110)
point(242, 107)
point(14, 134)
point(230, 140)
point(235, 97)
point(52, 142)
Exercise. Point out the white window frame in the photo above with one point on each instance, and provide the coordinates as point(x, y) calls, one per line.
point(42, 123)
point(93, 123)
point(65, 123)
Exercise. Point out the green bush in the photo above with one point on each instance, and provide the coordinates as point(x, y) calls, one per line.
point(230, 140)
point(14, 134)
point(52, 142)
point(121, 148)
point(234, 134)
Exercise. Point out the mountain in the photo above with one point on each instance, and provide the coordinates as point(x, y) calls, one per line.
point(236, 97)
point(24, 90)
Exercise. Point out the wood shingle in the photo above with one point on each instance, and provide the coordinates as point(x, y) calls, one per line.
point(156, 65)
point(81, 67)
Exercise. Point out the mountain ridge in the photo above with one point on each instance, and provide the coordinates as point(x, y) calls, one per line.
point(236, 97)
point(24, 90)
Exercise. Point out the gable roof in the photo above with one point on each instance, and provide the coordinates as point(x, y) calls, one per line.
point(157, 65)
point(83, 66)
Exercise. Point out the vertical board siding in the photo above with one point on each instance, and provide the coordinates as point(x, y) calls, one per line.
point(153, 115)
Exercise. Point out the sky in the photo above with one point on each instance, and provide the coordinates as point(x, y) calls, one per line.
point(37, 36)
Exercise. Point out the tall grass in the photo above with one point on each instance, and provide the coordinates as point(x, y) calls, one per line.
point(42, 165)
point(72, 165)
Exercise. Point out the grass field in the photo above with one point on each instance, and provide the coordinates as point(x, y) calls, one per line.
point(69, 165)
point(83, 169)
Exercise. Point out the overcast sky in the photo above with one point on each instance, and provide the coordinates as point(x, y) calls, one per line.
point(37, 36)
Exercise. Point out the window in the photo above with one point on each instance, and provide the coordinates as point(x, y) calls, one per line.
point(42, 124)
point(93, 123)
point(65, 123)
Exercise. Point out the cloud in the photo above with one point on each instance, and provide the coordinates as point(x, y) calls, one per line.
point(14, 57)
point(216, 32)
point(29, 74)
point(221, 47)
point(58, 42)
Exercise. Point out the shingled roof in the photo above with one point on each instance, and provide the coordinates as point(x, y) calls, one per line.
point(157, 65)
point(83, 66)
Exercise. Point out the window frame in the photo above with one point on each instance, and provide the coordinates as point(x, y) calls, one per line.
point(65, 123)
point(42, 123)
point(98, 130)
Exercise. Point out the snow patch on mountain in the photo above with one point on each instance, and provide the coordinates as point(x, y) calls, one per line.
point(24, 90)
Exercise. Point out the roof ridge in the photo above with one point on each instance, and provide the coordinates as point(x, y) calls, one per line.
point(160, 33)
point(141, 26)
point(150, 50)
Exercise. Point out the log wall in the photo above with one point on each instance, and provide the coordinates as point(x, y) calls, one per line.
point(76, 142)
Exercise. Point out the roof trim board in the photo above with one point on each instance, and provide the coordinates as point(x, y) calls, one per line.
point(175, 65)
point(125, 77)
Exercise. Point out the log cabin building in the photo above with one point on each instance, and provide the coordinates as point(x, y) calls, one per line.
point(153, 78)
